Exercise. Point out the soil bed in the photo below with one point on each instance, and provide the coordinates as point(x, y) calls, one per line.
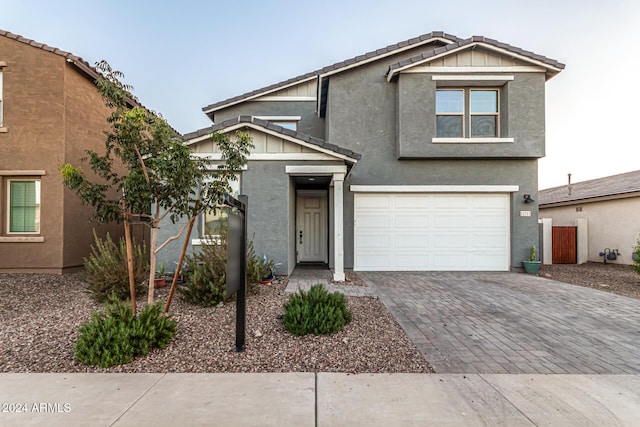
point(40, 315)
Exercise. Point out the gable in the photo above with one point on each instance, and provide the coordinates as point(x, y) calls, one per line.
point(271, 142)
point(480, 57)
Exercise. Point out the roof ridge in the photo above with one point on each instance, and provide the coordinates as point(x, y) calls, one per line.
point(349, 61)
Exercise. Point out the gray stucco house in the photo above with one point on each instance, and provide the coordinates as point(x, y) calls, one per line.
point(416, 156)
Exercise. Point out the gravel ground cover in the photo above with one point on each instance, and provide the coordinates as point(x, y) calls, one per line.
point(40, 315)
point(616, 278)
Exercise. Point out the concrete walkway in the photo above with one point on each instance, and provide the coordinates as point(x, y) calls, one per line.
point(324, 399)
point(305, 277)
point(493, 323)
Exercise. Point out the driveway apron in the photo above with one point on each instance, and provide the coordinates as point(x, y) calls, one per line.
point(512, 323)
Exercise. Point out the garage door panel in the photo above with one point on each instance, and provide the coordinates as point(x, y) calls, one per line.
point(372, 241)
point(488, 221)
point(381, 221)
point(488, 241)
point(432, 232)
point(451, 241)
point(416, 241)
point(450, 202)
point(412, 221)
point(412, 202)
point(451, 221)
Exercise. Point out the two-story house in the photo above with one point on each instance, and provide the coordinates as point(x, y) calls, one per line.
point(50, 112)
point(417, 156)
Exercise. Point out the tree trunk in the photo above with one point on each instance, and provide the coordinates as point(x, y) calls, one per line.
point(179, 267)
point(132, 279)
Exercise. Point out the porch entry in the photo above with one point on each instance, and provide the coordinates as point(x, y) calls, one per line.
point(312, 226)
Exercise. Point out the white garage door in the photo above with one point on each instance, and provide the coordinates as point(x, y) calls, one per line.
point(431, 232)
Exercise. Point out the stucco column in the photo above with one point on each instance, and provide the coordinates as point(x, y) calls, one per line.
point(547, 254)
point(338, 217)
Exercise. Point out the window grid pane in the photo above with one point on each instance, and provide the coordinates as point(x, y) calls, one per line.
point(450, 101)
point(449, 126)
point(484, 101)
point(483, 126)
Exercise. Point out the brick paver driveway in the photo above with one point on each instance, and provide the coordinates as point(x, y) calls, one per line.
point(512, 323)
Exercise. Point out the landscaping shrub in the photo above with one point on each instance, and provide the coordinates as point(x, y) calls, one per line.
point(207, 271)
point(316, 312)
point(116, 336)
point(636, 257)
point(106, 269)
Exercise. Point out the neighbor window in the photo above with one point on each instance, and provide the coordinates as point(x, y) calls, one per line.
point(23, 206)
point(467, 113)
point(1, 98)
point(213, 220)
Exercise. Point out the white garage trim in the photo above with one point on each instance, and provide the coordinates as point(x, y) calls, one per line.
point(434, 188)
point(411, 231)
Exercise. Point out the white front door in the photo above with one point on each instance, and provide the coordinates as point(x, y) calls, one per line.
point(311, 228)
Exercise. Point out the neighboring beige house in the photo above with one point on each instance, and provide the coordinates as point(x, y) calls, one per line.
point(605, 211)
point(50, 113)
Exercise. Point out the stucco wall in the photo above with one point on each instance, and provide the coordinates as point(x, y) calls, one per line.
point(362, 113)
point(52, 114)
point(612, 224)
point(521, 118)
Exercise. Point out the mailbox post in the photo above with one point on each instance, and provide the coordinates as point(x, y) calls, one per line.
point(237, 262)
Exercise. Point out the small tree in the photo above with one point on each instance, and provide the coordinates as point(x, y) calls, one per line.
point(636, 257)
point(161, 179)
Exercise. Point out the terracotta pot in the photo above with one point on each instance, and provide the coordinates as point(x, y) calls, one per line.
point(160, 282)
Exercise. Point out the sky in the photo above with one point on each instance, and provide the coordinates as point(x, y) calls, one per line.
point(180, 56)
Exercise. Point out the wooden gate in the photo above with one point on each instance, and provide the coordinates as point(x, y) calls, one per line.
point(564, 247)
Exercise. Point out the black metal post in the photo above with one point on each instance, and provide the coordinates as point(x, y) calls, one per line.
point(241, 298)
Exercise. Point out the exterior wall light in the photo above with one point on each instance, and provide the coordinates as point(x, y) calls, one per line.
point(528, 199)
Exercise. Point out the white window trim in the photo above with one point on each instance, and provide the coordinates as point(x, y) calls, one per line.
point(472, 140)
point(496, 114)
point(434, 188)
point(38, 182)
point(495, 78)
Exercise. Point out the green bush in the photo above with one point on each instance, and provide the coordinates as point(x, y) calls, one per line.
point(207, 272)
point(636, 261)
point(116, 336)
point(106, 268)
point(316, 312)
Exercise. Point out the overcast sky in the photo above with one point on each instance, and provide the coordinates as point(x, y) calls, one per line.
point(183, 55)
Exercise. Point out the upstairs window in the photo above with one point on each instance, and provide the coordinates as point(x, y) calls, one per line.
point(23, 206)
point(467, 113)
point(1, 97)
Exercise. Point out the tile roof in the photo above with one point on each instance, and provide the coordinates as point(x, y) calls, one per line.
point(330, 68)
point(83, 65)
point(474, 40)
point(320, 143)
point(615, 185)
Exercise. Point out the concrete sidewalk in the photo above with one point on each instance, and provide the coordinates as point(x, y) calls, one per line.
point(323, 399)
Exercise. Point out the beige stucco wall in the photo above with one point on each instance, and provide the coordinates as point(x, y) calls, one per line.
point(612, 224)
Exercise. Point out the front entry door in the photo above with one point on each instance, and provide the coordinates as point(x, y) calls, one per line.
point(311, 227)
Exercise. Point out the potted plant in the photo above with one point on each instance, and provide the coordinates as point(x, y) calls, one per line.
point(532, 266)
point(160, 280)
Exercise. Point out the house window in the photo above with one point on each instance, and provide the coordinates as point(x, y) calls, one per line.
point(1, 120)
point(467, 113)
point(287, 122)
point(212, 220)
point(23, 206)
